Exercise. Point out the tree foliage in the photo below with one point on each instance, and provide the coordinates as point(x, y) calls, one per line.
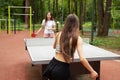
point(61, 8)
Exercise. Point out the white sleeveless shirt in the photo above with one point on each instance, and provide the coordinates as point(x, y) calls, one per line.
point(49, 24)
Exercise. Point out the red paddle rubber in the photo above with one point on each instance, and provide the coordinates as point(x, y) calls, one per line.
point(33, 35)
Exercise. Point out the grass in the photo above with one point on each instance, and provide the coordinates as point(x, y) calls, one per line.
point(110, 42)
point(87, 25)
point(107, 42)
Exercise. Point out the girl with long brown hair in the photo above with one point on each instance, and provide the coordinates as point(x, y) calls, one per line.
point(66, 42)
point(48, 24)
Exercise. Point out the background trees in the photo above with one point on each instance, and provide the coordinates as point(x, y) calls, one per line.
point(106, 11)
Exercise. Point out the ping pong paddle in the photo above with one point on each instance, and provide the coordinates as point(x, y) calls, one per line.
point(33, 35)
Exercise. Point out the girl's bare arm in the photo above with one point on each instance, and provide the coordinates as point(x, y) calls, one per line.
point(84, 61)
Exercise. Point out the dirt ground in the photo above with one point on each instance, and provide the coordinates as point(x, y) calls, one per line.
point(15, 63)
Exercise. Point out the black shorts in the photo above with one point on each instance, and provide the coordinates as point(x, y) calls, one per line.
point(57, 70)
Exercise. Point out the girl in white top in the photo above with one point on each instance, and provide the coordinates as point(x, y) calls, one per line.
point(49, 26)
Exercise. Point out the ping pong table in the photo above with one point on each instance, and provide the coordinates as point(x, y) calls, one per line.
point(41, 52)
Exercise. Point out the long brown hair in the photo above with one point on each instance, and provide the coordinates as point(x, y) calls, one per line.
point(46, 19)
point(69, 36)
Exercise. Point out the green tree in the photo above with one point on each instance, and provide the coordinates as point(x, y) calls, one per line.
point(27, 11)
point(115, 14)
point(103, 17)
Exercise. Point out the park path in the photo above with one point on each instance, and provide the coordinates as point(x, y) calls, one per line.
point(15, 63)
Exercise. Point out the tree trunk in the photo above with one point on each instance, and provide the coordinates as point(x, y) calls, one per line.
point(27, 11)
point(81, 16)
point(69, 6)
point(72, 6)
point(84, 11)
point(95, 24)
point(103, 17)
point(100, 17)
point(53, 7)
point(56, 9)
point(49, 5)
point(107, 17)
point(35, 11)
point(75, 5)
point(41, 10)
